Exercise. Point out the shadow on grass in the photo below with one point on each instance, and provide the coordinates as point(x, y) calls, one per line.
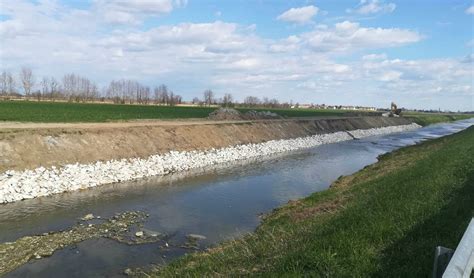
point(413, 255)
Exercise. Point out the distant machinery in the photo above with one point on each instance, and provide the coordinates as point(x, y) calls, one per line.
point(394, 111)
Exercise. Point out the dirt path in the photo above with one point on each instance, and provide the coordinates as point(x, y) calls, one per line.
point(139, 123)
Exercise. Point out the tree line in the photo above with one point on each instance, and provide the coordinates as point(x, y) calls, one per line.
point(73, 87)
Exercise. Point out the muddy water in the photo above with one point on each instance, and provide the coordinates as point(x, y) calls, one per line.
point(220, 203)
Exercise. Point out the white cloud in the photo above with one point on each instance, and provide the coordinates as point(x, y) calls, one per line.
point(470, 10)
point(349, 36)
point(390, 76)
point(216, 37)
point(247, 63)
point(371, 57)
point(468, 58)
point(230, 57)
point(292, 43)
point(299, 15)
point(437, 72)
point(134, 11)
point(366, 7)
point(181, 3)
point(138, 6)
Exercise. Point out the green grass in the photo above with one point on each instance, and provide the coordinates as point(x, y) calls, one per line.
point(433, 118)
point(30, 111)
point(384, 221)
point(23, 111)
point(55, 112)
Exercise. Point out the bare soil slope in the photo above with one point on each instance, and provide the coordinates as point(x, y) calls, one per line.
point(28, 146)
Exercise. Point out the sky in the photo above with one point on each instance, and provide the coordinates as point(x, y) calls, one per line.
point(362, 52)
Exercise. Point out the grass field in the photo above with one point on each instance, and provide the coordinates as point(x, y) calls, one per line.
point(63, 112)
point(431, 118)
point(383, 221)
point(48, 112)
point(23, 111)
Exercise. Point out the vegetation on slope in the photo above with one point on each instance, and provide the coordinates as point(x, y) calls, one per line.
point(425, 119)
point(383, 221)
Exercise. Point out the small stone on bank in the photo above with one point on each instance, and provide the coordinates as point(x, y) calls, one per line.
point(89, 216)
point(195, 237)
point(151, 233)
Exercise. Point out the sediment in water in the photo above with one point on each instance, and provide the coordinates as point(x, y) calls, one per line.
point(119, 227)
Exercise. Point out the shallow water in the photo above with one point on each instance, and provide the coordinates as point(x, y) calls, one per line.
point(220, 203)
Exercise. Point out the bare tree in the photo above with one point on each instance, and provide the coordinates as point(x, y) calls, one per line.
point(271, 103)
point(3, 83)
point(174, 99)
point(161, 94)
point(7, 84)
point(208, 97)
point(45, 87)
point(69, 84)
point(55, 89)
point(27, 80)
point(227, 100)
point(196, 100)
point(10, 83)
point(178, 99)
point(126, 91)
point(251, 101)
point(144, 95)
point(171, 100)
point(77, 88)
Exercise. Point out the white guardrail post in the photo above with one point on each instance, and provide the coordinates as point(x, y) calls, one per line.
point(462, 262)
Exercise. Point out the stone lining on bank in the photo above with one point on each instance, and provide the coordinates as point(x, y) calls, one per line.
point(62, 144)
point(18, 185)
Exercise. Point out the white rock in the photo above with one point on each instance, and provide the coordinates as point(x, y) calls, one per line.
point(19, 185)
point(86, 217)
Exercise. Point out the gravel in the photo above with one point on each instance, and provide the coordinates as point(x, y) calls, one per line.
point(232, 114)
point(222, 114)
point(20, 185)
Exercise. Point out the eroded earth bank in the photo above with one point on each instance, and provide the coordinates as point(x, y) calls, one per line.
point(33, 146)
point(60, 160)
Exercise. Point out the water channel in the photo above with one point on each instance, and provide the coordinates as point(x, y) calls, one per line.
point(220, 203)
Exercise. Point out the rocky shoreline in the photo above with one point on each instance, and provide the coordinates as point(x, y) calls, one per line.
point(20, 185)
point(118, 228)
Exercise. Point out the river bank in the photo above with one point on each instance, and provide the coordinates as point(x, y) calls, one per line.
point(20, 185)
point(382, 221)
point(30, 146)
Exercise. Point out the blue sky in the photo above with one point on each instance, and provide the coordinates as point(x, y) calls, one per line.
point(363, 52)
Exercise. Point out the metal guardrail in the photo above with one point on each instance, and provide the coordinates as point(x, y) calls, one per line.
point(460, 263)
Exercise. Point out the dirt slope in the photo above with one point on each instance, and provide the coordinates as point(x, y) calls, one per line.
point(28, 146)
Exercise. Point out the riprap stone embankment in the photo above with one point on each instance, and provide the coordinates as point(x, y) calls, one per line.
point(62, 144)
point(42, 181)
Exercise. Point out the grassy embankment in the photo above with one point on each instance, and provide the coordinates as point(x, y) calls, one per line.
point(23, 111)
point(433, 118)
point(383, 221)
